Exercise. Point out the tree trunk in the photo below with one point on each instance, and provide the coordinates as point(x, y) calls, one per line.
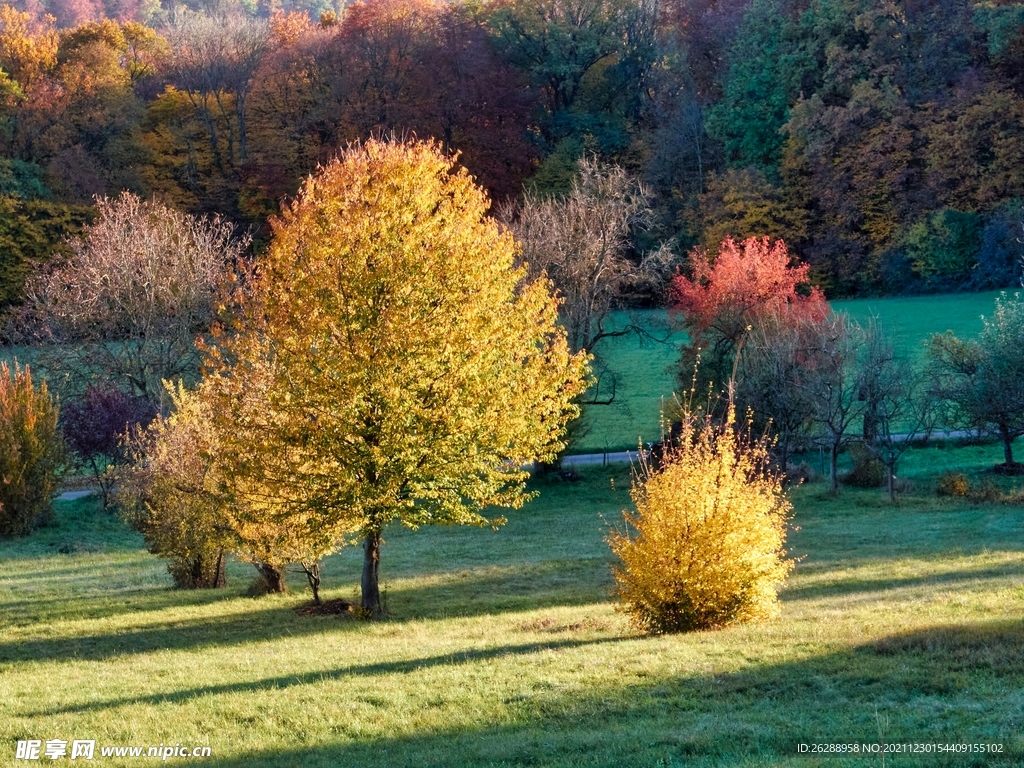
point(312, 572)
point(103, 478)
point(892, 482)
point(273, 577)
point(1007, 446)
point(833, 460)
point(220, 579)
point(371, 564)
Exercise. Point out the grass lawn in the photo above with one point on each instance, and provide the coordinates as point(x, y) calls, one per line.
point(645, 370)
point(900, 624)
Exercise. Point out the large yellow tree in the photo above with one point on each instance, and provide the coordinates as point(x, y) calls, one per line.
point(391, 363)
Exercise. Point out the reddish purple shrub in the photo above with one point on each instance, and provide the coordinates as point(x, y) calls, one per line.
point(94, 424)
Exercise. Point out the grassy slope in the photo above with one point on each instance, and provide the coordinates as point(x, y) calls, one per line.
point(646, 370)
point(505, 650)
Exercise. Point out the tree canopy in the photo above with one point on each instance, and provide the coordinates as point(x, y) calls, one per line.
point(391, 362)
point(858, 131)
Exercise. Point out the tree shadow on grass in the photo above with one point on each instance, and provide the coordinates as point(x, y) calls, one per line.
point(504, 589)
point(276, 684)
point(844, 587)
point(466, 593)
point(102, 606)
point(943, 685)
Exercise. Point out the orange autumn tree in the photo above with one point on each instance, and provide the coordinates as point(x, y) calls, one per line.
point(391, 363)
point(745, 284)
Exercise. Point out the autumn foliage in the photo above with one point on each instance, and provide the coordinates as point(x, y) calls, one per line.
point(745, 284)
point(168, 492)
point(391, 362)
point(705, 547)
point(95, 424)
point(31, 451)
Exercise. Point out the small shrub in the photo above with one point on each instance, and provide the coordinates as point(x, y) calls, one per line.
point(167, 492)
point(800, 473)
point(705, 547)
point(953, 484)
point(868, 470)
point(31, 452)
point(988, 491)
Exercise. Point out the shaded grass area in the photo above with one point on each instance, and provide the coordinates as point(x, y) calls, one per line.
point(646, 370)
point(900, 624)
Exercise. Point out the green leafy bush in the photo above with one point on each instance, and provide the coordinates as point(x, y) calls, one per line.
point(31, 451)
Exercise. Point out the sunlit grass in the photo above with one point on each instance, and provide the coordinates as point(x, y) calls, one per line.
point(503, 648)
point(645, 370)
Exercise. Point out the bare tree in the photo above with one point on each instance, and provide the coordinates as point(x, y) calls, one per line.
point(770, 374)
point(138, 287)
point(211, 57)
point(830, 360)
point(897, 405)
point(584, 242)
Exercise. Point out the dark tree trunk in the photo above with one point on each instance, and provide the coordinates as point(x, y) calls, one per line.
point(273, 577)
point(1007, 446)
point(207, 574)
point(833, 460)
point(220, 579)
point(892, 482)
point(312, 572)
point(371, 565)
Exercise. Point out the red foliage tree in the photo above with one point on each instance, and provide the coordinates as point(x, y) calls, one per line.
point(745, 283)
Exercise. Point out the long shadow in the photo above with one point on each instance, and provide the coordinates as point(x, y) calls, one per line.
point(397, 667)
point(853, 586)
point(107, 604)
point(536, 586)
point(509, 588)
point(946, 685)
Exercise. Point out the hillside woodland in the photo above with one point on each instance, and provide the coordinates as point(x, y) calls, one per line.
point(884, 142)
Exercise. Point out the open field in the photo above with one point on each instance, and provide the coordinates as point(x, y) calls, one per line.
point(646, 370)
point(899, 624)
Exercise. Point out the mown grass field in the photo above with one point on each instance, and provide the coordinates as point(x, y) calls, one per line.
point(645, 370)
point(899, 624)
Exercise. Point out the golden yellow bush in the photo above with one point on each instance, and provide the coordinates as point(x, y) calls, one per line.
point(31, 451)
point(705, 547)
point(168, 492)
point(954, 484)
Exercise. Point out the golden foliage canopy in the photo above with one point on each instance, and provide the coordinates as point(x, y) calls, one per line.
point(391, 362)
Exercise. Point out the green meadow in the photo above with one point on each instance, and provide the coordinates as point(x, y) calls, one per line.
point(899, 625)
point(645, 370)
point(641, 370)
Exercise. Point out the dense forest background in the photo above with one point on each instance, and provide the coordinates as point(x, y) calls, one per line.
point(884, 141)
